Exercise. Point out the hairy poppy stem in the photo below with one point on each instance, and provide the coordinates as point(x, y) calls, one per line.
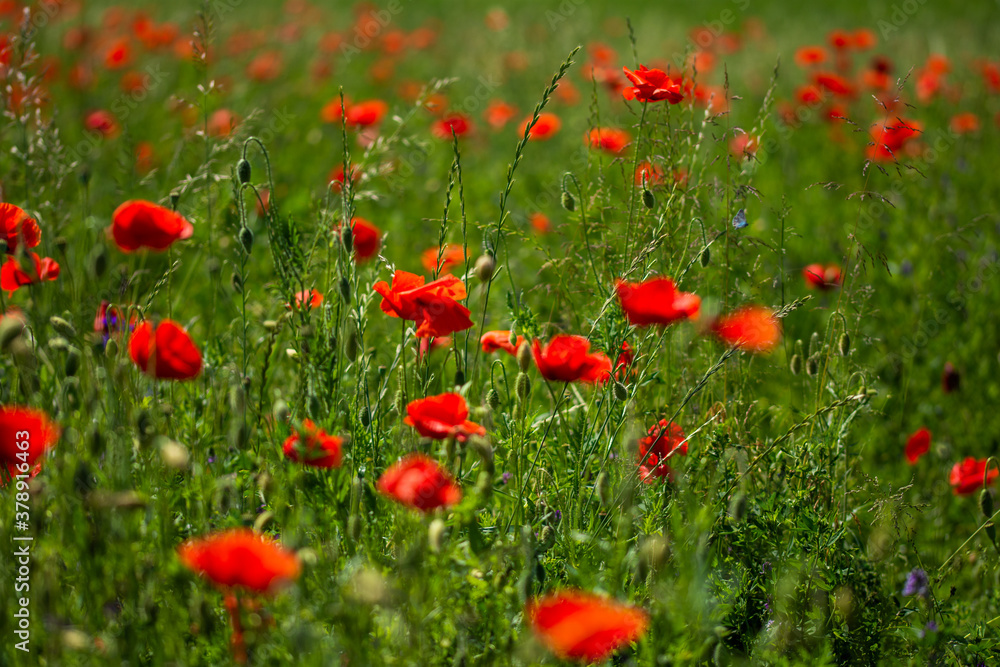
point(631, 195)
point(238, 644)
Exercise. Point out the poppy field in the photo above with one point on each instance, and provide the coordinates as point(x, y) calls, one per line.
point(419, 334)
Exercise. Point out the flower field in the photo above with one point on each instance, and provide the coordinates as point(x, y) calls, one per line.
point(423, 334)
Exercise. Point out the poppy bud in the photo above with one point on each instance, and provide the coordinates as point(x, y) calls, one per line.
point(986, 503)
point(568, 202)
point(10, 328)
point(435, 535)
point(459, 377)
point(648, 200)
point(347, 238)
point(236, 282)
point(351, 344)
point(485, 266)
point(345, 289)
point(493, 399)
point(243, 171)
point(281, 411)
point(174, 198)
point(111, 349)
point(621, 392)
point(58, 343)
point(365, 416)
point(603, 488)
point(812, 365)
point(246, 239)
point(524, 357)
point(99, 262)
point(62, 326)
point(844, 344)
point(546, 539)
point(72, 361)
point(706, 257)
point(814, 344)
point(522, 387)
point(796, 364)
point(738, 507)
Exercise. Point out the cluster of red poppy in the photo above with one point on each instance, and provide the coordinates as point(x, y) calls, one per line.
point(19, 231)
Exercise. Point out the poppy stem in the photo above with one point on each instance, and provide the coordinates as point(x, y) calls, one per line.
point(631, 195)
point(238, 644)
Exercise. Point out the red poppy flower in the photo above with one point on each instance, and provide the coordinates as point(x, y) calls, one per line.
point(451, 256)
point(964, 123)
point(608, 139)
point(308, 297)
point(313, 447)
point(367, 113)
point(143, 224)
point(367, 239)
point(951, 379)
point(336, 177)
point(822, 277)
point(240, 557)
point(834, 83)
point(110, 320)
point(652, 85)
point(662, 441)
point(540, 223)
point(24, 425)
point(652, 174)
point(330, 113)
point(499, 113)
point(430, 344)
point(840, 39)
point(434, 306)
point(118, 55)
point(441, 416)
point(917, 445)
point(13, 276)
point(891, 136)
point(265, 66)
point(864, 39)
point(967, 476)
point(751, 328)
point(16, 228)
point(103, 123)
point(625, 358)
point(548, 124)
point(568, 359)
point(419, 482)
point(577, 625)
point(656, 301)
point(499, 340)
point(176, 356)
point(807, 56)
point(459, 122)
point(222, 122)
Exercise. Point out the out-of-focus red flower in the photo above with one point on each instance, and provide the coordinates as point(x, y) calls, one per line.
point(13, 276)
point(265, 66)
point(166, 353)
point(889, 136)
point(312, 298)
point(652, 174)
point(567, 93)
point(840, 39)
point(807, 56)
point(110, 321)
point(917, 445)
point(145, 157)
point(26, 435)
point(608, 139)
point(991, 76)
point(568, 358)
point(663, 440)
point(576, 625)
point(366, 239)
point(118, 55)
point(336, 177)
point(834, 83)
point(313, 447)
point(442, 416)
point(951, 379)
point(222, 122)
point(366, 113)
point(540, 222)
point(964, 123)
point(455, 121)
point(499, 113)
point(499, 340)
point(142, 224)
point(451, 256)
point(967, 477)
point(420, 483)
point(434, 306)
point(743, 146)
point(750, 328)
point(864, 39)
point(652, 85)
point(809, 94)
point(103, 123)
point(656, 301)
point(17, 228)
point(240, 558)
point(625, 358)
point(822, 277)
point(548, 125)
point(330, 113)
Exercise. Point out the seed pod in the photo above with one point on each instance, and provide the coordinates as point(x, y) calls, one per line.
point(546, 539)
point(568, 202)
point(493, 399)
point(365, 416)
point(243, 171)
point(986, 503)
point(524, 357)
point(347, 238)
point(237, 283)
point(246, 239)
point(58, 343)
point(111, 349)
point(522, 387)
point(620, 391)
point(345, 289)
point(844, 344)
point(796, 364)
point(485, 266)
point(62, 326)
point(648, 200)
point(812, 365)
point(706, 257)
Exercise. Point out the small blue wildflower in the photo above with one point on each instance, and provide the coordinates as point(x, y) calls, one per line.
point(916, 583)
